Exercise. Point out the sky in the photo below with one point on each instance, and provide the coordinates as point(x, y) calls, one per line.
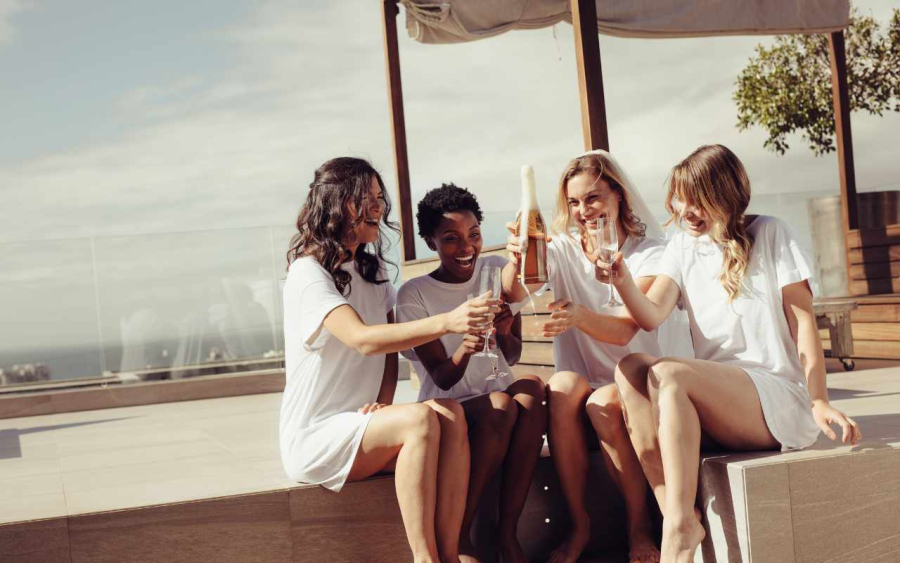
point(132, 117)
point(141, 119)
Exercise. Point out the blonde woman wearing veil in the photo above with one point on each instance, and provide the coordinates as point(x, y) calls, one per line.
point(589, 339)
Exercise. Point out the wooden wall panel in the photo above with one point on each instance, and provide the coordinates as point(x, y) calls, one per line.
point(875, 270)
point(874, 254)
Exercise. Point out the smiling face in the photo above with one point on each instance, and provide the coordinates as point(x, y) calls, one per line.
point(589, 198)
point(457, 241)
point(695, 221)
point(367, 230)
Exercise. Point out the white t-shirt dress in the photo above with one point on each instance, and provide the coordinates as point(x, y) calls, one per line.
point(326, 382)
point(424, 297)
point(752, 332)
point(572, 277)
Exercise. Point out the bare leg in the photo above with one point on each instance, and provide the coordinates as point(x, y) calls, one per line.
point(521, 457)
point(605, 411)
point(631, 381)
point(688, 395)
point(452, 476)
point(406, 439)
point(491, 418)
point(568, 444)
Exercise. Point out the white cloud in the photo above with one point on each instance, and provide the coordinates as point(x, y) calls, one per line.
point(238, 147)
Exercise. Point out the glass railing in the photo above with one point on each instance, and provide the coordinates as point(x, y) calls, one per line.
point(159, 306)
point(174, 305)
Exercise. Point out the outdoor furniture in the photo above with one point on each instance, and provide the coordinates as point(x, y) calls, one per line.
point(834, 314)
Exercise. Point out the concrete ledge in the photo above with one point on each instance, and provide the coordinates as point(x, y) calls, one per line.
point(149, 393)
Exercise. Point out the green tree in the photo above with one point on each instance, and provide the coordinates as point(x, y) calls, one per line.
point(786, 88)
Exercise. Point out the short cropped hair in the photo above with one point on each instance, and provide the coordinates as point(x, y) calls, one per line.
point(446, 199)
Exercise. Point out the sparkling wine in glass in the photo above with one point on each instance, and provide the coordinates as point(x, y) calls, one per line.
point(490, 281)
point(608, 245)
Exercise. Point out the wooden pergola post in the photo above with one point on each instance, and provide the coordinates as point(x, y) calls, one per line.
point(389, 11)
point(846, 171)
point(590, 76)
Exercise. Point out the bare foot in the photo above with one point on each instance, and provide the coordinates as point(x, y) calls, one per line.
point(511, 550)
point(681, 539)
point(642, 548)
point(570, 550)
point(467, 552)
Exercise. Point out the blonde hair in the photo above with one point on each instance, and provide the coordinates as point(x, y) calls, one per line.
point(713, 179)
point(599, 166)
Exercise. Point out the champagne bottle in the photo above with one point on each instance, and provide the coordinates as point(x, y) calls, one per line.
point(531, 233)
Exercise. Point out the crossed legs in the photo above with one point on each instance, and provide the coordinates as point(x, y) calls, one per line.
point(669, 403)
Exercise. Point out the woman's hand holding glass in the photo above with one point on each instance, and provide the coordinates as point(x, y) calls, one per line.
point(473, 316)
point(621, 275)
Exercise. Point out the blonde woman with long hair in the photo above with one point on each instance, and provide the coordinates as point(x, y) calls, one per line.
point(589, 339)
point(758, 382)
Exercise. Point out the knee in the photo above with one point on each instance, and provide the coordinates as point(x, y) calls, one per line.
point(564, 382)
point(533, 389)
point(604, 407)
point(450, 416)
point(502, 416)
point(631, 372)
point(669, 374)
point(423, 422)
point(568, 391)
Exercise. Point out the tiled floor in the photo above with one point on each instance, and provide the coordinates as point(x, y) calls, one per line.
point(96, 462)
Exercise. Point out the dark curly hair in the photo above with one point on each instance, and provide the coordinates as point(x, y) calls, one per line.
point(320, 223)
point(447, 198)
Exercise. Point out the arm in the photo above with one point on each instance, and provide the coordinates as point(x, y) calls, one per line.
point(508, 329)
point(389, 379)
point(615, 329)
point(650, 310)
point(798, 309)
point(447, 371)
point(344, 323)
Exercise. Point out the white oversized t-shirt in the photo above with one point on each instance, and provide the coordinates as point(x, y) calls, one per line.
point(326, 381)
point(751, 332)
point(424, 297)
point(572, 277)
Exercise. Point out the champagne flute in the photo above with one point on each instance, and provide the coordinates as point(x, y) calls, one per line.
point(490, 281)
point(608, 245)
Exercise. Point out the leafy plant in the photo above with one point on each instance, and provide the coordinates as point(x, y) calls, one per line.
point(787, 87)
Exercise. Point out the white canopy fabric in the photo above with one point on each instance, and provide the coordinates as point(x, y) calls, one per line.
point(456, 21)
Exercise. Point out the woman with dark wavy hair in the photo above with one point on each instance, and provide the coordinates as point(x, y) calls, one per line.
point(337, 421)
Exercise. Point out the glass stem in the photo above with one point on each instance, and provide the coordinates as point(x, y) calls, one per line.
point(612, 287)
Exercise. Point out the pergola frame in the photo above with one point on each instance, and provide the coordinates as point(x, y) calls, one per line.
point(593, 114)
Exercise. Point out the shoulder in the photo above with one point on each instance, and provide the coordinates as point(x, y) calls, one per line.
point(765, 228)
point(412, 289)
point(767, 223)
point(648, 246)
point(307, 269)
